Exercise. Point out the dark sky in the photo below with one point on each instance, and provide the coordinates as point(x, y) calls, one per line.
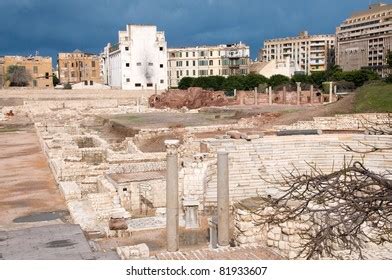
point(50, 26)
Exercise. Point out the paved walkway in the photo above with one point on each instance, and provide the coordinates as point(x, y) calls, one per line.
point(27, 186)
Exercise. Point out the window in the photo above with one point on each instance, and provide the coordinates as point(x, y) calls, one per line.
point(47, 75)
point(35, 69)
point(211, 72)
point(150, 64)
point(186, 54)
point(162, 81)
point(126, 64)
point(86, 83)
point(65, 64)
point(73, 74)
point(211, 62)
point(179, 63)
point(150, 85)
point(211, 53)
point(161, 48)
point(203, 72)
point(203, 62)
point(34, 83)
point(161, 65)
point(128, 80)
point(91, 83)
point(92, 63)
point(138, 85)
point(187, 63)
point(194, 63)
point(202, 53)
point(72, 65)
point(194, 54)
point(139, 64)
point(127, 48)
point(194, 72)
point(187, 72)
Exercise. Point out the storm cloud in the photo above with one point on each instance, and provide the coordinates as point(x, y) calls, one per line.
point(49, 27)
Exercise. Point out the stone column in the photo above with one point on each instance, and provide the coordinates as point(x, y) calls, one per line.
point(284, 94)
point(255, 95)
point(335, 89)
point(172, 207)
point(311, 94)
point(270, 95)
point(235, 92)
point(298, 93)
point(330, 92)
point(223, 198)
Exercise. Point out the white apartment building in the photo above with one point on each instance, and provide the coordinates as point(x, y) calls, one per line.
point(203, 61)
point(309, 52)
point(365, 38)
point(138, 61)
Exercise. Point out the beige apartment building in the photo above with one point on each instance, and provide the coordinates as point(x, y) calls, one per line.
point(204, 61)
point(309, 53)
point(364, 39)
point(2, 77)
point(78, 67)
point(38, 67)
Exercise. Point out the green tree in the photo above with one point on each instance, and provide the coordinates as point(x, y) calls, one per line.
point(301, 78)
point(318, 78)
point(234, 82)
point(254, 80)
point(18, 76)
point(277, 80)
point(56, 80)
point(186, 83)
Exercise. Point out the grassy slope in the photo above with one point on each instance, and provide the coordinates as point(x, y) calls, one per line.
point(374, 98)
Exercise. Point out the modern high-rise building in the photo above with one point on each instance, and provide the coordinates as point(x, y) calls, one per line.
point(202, 61)
point(365, 38)
point(78, 67)
point(138, 61)
point(38, 68)
point(309, 53)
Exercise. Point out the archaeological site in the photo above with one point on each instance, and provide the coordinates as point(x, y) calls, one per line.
point(192, 175)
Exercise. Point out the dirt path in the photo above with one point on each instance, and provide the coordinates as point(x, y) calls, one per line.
point(26, 183)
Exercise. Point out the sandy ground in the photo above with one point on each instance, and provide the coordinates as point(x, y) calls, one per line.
point(26, 184)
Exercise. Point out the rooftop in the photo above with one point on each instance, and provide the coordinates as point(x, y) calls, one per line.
point(374, 8)
point(302, 35)
point(234, 45)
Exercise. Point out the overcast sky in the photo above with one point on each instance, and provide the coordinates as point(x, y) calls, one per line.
point(49, 26)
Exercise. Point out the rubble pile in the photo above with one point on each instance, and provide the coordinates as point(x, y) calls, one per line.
point(193, 98)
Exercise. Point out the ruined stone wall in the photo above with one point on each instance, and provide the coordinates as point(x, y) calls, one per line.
point(279, 97)
point(286, 238)
point(254, 164)
point(339, 122)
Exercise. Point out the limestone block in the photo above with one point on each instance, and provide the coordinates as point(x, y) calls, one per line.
point(270, 236)
point(276, 230)
point(292, 255)
point(234, 134)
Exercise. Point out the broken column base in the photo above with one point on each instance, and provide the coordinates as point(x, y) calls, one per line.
point(191, 214)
